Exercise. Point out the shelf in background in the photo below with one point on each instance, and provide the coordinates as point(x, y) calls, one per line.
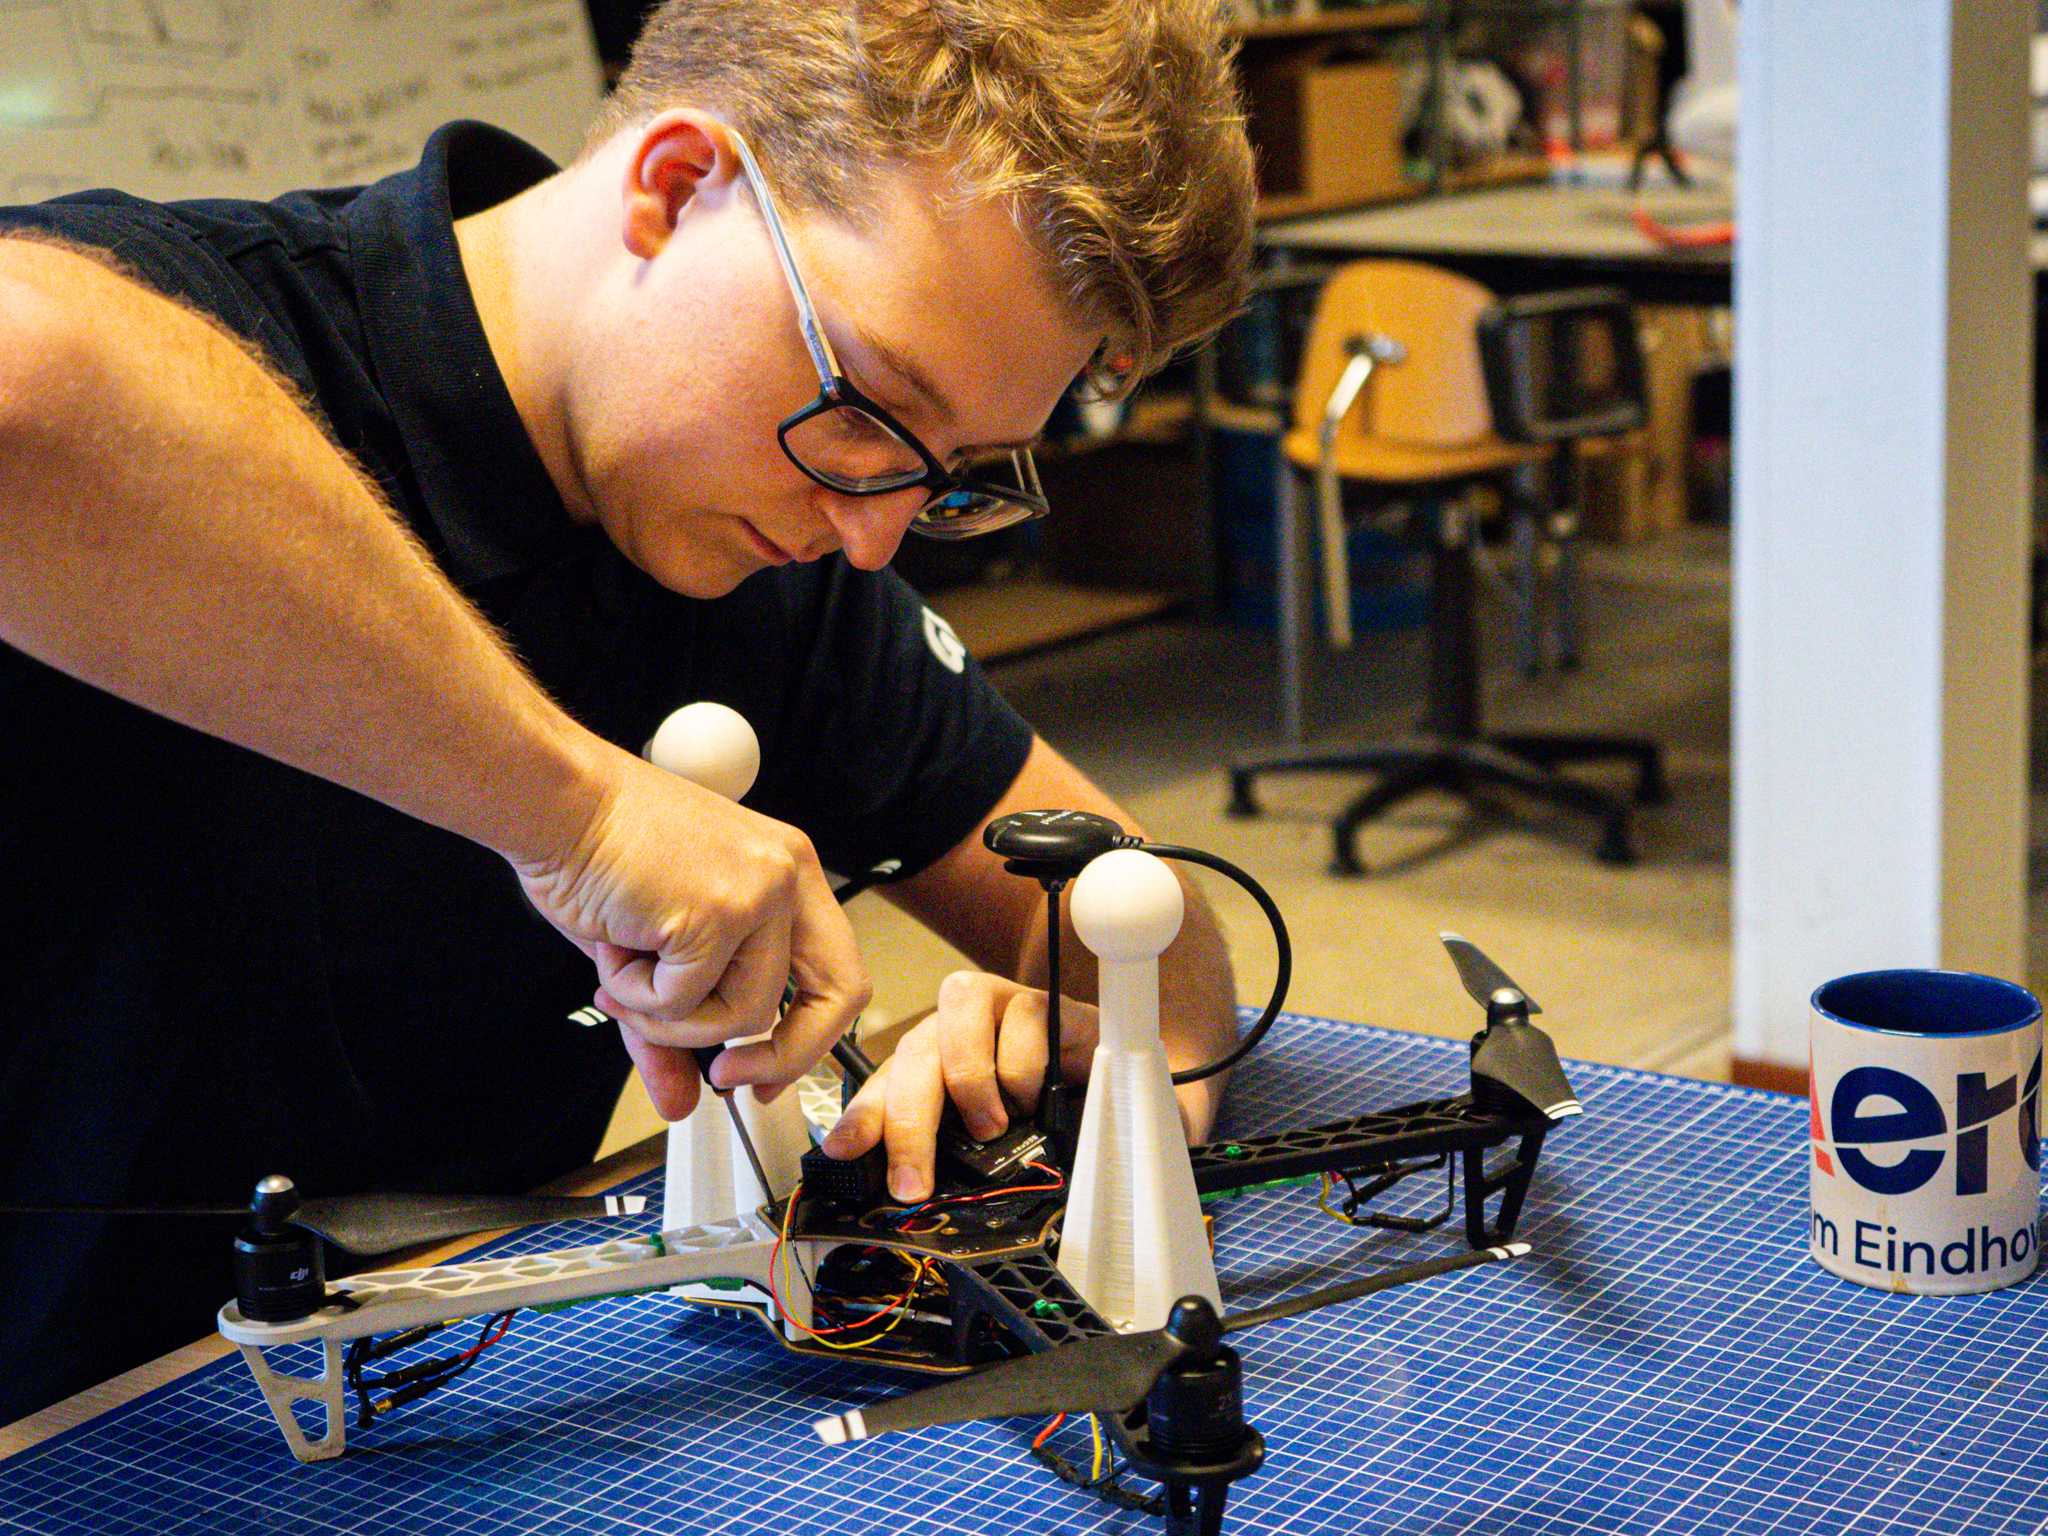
point(1505, 170)
point(1161, 416)
point(1326, 23)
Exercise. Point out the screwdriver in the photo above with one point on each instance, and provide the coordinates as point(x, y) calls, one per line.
point(705, 1054)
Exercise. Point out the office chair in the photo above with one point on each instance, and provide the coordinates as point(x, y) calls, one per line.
point(1406, 374)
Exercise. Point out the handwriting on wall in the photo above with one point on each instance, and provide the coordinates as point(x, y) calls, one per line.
point(248, 98)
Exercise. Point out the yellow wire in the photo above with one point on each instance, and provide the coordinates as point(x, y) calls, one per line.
point(918, 1267)
point(1323, 1204)
point(1095, 1467)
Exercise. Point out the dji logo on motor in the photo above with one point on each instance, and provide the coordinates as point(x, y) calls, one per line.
point(1916, 1115)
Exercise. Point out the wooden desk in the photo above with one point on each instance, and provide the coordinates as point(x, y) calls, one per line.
point(58, 1417)
point(1523, 239)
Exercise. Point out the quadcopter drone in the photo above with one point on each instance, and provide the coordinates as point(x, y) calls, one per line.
point(1063, 1266)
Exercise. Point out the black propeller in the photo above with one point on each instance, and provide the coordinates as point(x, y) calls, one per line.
point(375, 1223)
point(1115, 1372)
point(1512, 1059)
point(1481, 976)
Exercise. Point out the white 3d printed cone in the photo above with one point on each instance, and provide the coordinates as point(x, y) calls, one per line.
point(709, 1178)
point(1132, 1242)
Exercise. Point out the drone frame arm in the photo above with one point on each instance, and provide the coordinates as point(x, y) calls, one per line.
point(1432, 1128)
point(1027, 1296)
point(386, 1301)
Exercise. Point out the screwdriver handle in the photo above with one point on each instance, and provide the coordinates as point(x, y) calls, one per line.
point(705, 1055)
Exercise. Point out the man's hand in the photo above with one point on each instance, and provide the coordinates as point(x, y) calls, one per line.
point(696, 912)
point(985, 1039)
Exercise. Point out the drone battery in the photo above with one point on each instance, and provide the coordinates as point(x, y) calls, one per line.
point(856, 1182)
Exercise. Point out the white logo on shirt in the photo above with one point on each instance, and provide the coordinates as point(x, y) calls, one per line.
point(938, 634)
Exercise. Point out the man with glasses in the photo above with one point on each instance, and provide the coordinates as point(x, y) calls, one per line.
point(357, 541)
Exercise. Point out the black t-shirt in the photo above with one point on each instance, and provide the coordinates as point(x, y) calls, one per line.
point(213, 966)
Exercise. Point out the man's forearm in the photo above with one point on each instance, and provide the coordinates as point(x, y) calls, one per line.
point(1197, 997)
point(178, 531)
point(1198, 1008)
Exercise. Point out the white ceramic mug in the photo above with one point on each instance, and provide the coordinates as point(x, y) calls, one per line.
point(1926, 1155)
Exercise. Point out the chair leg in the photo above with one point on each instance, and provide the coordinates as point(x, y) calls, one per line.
point(1617, 841)
point(1433, 770)
point(1527, 593)
point(1385, 760)
point(1552, 749)
point(1565, 600)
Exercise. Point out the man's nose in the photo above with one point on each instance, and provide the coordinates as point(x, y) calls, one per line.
point(870, 528)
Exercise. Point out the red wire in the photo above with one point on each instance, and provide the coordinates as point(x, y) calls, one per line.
point(1045, 1434)
point(1058, 1182)
point(888, 1307)
point(775, 1294)
point(485, 1343)
point(1686, 237)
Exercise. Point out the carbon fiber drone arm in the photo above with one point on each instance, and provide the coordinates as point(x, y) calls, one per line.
point(1432, 1128)
point(1026, 1295)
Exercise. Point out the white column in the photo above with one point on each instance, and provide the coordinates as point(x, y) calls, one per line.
point(1883, 375)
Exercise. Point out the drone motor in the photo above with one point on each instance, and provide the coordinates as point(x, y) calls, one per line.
point(280, 1273)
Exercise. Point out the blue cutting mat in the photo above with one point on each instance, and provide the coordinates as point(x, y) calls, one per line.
point(1668, 1361)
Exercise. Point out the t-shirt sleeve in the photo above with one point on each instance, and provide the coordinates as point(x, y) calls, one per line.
point(893, 744)
point(147, 241)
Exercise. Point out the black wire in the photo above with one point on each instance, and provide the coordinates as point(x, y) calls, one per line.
point(411, 1382)
point(1105, 1487)
point(1283, 975)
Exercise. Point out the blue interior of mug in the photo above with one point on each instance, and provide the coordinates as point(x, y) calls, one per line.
point(1920, 1002)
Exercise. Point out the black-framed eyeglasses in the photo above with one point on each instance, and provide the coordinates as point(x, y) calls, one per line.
point(849, 443)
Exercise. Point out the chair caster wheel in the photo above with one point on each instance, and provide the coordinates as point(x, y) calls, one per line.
point(1616, 846)
point(1241, 803)
point(1345, 863)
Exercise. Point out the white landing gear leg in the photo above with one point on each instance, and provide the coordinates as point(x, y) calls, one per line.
point(709, 1178)
point(326, 1389)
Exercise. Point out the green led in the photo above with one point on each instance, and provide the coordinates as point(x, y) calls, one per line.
point(1233, 1150)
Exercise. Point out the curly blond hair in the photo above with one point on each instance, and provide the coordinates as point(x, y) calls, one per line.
point(1114, 124)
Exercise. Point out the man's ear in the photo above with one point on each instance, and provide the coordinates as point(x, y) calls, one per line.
point(679, 156)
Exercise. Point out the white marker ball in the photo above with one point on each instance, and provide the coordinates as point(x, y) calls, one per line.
point(1127, 905)
point(711, 745)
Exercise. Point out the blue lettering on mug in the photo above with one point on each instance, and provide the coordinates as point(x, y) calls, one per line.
point(2029, 1120)
point(1919, 1117)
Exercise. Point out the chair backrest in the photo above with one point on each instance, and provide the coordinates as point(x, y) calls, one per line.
point(1436, 396)
point(1563, 365)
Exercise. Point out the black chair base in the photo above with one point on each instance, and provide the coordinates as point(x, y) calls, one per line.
point(1525, 763)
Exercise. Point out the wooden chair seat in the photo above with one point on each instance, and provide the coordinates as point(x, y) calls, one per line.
point(1393, 371)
